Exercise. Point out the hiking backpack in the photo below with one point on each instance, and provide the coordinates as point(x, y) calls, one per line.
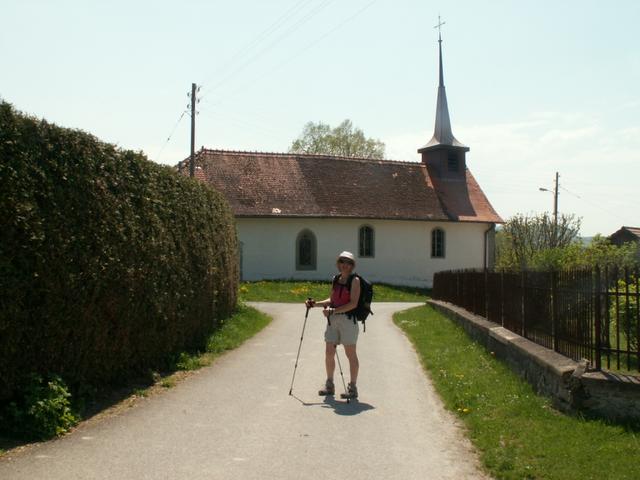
point(363, 309)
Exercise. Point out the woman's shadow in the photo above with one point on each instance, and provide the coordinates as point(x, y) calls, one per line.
point(340, 407)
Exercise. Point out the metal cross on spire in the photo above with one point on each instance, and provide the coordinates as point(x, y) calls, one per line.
point(440, 23)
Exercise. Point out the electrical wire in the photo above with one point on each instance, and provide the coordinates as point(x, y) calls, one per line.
point(246, 86)
point(240, 121)
point(595, 204)
point(157, 157)
point(263, 35)
point(570, 192)
point(301, 21)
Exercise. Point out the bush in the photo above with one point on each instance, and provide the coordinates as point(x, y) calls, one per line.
point(600, 252)
point(109, 263)
point(523, 236)
point(44, 410)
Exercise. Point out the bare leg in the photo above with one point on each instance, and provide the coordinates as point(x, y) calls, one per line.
point(330, 359)
point(354, 364)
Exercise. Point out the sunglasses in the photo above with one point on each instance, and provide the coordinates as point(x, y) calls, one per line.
point(345, 261)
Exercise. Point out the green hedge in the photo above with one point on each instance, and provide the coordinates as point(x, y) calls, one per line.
point(108, 262)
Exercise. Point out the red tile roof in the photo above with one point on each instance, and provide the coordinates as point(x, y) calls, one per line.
point(295, 185)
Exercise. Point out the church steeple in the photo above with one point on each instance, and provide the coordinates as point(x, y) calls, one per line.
point(444, 155)
point(442, 134)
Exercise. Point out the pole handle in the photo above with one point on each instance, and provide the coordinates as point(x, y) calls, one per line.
point(309, 300)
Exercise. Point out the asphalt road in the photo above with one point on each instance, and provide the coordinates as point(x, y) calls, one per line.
point(236, 420)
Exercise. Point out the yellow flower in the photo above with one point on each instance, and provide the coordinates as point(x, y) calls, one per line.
point(299, 291)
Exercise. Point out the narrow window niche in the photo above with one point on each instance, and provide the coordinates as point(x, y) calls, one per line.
point(366, 238)
point(306, 251)
point(437, 243)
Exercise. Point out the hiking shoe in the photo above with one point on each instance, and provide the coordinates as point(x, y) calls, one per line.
point(352, 392)
point(328, 389)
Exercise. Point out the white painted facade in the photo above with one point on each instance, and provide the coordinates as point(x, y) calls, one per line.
point(402, 248)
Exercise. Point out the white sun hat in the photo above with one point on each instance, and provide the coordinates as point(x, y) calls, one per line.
point(348, 255)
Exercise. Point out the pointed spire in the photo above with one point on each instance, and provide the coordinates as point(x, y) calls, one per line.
point(441, 84)
point(442, 134)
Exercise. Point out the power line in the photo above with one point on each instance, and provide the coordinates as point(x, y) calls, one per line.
point(300, 52)
point(264, 34)
point(570, 192)
point(301, 21)
point(157, 157)
point(243, 122)
point(594, 204)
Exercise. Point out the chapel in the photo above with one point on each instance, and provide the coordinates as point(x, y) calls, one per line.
point(403, 221)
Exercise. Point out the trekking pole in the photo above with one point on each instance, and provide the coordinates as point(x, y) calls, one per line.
point(309, 300)
point(341, 375)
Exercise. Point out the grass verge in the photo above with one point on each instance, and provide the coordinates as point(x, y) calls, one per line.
point(233, 331)
point(298, 291)
point(517, 433)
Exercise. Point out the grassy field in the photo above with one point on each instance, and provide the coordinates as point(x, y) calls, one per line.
point(295, 291)
point(518, 434)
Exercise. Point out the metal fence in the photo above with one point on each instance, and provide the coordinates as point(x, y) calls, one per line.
point(590, 313)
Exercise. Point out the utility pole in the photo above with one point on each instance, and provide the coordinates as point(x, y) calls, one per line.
point(555, 204)
point(193, 131)
point(555, 207)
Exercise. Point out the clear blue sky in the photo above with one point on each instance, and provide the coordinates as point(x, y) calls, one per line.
point(533, 87)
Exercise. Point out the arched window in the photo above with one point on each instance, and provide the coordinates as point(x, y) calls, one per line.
point(366, 241)
point(306, 251)
point(437, 243)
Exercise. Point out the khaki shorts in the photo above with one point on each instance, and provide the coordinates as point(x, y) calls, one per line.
point(343, 330)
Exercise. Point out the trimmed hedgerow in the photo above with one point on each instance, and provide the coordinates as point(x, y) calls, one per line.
point(109, 263)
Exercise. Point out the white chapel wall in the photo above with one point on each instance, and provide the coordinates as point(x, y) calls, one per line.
point(402, 248)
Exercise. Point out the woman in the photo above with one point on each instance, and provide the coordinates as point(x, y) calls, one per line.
point(340, 328)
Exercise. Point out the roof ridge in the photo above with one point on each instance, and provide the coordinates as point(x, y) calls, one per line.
point(308, 155)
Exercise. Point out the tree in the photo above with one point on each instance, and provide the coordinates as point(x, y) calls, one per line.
point(344, 140)
point(521, 245)
point(524, 237)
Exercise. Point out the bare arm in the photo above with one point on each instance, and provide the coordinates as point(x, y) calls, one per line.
point(323, 303)
point(319, 303)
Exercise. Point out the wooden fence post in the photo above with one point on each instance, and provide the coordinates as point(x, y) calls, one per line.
point(486, 293)
point(502, 298)
point(554, 308)
point(598, 319)
point(522, 305)
point(637, 302)
point(627, 314)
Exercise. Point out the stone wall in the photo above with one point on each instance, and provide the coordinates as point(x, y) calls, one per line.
point(568, 383)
